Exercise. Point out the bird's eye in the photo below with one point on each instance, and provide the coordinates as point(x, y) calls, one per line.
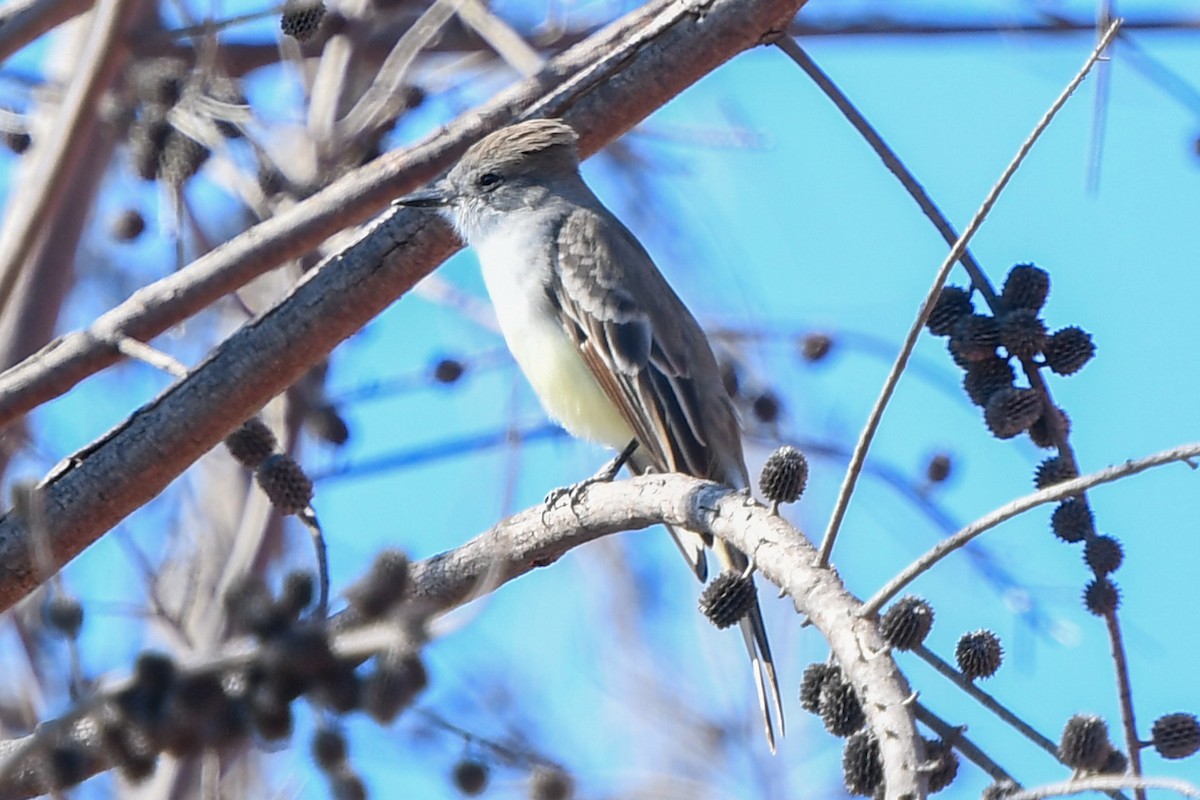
point(489, 179)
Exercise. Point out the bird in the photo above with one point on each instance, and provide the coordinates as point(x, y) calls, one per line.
point(609, 348)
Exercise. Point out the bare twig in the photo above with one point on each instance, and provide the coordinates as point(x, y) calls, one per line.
point(868, 433)
point(1050, 494)
point(140, 351)
point(1107, 783)
point(957, 738)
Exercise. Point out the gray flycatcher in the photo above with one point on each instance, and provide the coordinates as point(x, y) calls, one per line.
point(610, 349)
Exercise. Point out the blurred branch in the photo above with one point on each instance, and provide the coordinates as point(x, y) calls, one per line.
point(23, 22)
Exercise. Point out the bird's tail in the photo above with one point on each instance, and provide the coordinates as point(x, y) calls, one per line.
point(754, 634)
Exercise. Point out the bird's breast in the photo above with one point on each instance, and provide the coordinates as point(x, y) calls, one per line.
point(516, 270)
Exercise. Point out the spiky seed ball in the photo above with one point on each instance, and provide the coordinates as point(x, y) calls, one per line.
point(287, 486)
point(329, 749)
point(1054, 469)
point(448, 370)
point(952, 304)
point(815, 346)
point(128, 225)
point(340, 688)
point(839, 707)
point(766, 408)
point(941, 763)
point(550, 783)
point(154, 673)
point(382, 587)
point(299, 589)
point(814, 678)
point(1044, 432)
point(470, 777)
point(64, 613)
point(301, 20)
point(270, 715)
point(252, 610)
point(67, 762)
point(784, 475)
point(1026, 286)
point(907, 622)
point(1072, 520)
point(347, 785)
point(984, 378)
point(979, 654)
point(961, 361)
point(1084, 743)
point(1103, 554)
point(252, 443)
point(1176, 735)
point(17, 141)
point(727, 598)
point(976, 337)
point(1011, 411)
point(1000, 790)
point(1101, 597)
point(1022, 333)
point(326, 423)
point(398, 677)
point(862, 769)
point(148, 137)
point(159, 81)
point(181, 158)
point(129, 747)
point(1116, 764)
point(938, 469)
point(1067, 350)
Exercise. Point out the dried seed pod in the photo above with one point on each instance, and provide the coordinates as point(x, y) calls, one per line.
point(1026, 287)
point(815, 346)
point(814, 678)
point(839, 707)
point(383, 587)
point(987, 377)
point(1012, 411)
point(727, 598)
point(976, 337)
point(448, 370)
point(784, 475)
point(907, 622)
point(252, 443)
point(1054, 469)
point(1072, 520)
point(287, 486)
point(1043, 433)
point(1022, 333)
point(301, 20)
point(979, 654)
point(1176, 735)
point(1101, 597)
point(941, 764)
point(550, 783)
point(470, 777)
point(1067, 350)
point(1103, 554)
point(952, 305)
point(1084, 743)
point(329, 749)
point(862, 768)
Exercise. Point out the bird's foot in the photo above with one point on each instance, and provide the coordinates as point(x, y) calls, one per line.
point(575, 491)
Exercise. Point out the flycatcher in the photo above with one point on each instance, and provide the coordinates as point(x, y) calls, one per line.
point(610, 349)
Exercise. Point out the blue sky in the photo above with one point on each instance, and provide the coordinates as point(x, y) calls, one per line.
point(802, 229)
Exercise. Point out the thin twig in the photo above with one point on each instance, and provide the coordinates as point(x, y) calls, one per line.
point(1049, 495)
point(1125, 697)
point(1106, 783)
point(956, 737)
point(140, 351)
point(868, 433)
point(309, 517)
point(986, 700)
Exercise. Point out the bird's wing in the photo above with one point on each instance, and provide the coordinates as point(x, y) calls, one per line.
point(645, 349)
point(654, 363)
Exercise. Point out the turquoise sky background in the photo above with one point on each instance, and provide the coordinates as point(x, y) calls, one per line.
point(770, 215)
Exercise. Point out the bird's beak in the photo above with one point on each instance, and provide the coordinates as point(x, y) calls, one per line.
point(436, 195)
